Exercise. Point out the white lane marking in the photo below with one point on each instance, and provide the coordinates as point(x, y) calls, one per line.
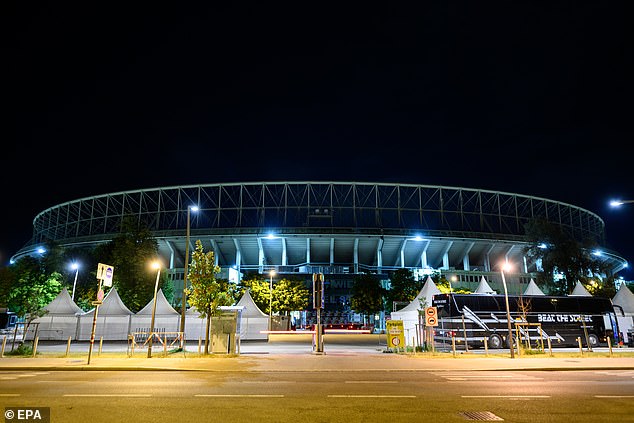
point(371, 396)
point(8, 378)
point(614, 396)
point(107, 395)
point(238, 396)
point(268, 381)
point(371, 381)
point(9, 395)
point(505, 396)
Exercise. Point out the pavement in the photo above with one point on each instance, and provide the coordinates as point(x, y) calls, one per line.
point(295, 355)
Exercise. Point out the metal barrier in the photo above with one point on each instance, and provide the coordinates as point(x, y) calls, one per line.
point(140, 339)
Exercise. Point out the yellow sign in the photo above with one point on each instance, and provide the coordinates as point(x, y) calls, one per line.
point(395, 334)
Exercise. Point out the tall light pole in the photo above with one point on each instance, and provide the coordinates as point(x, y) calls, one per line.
point(184, 302)
point(155, 265)
point(271, 273)
point(619, 203)
point(75, 267)
point(507, 266)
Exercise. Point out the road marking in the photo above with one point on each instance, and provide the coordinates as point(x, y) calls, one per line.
point(371, 396)
point(505, 396)
point(371, 381)
point(9, 395)
point(238, 396)
point(8, 378)
point(614, 396)
point(107, 395)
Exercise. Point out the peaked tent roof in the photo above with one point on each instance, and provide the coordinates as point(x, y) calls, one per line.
point(484, 287)
point(428, 290)
point(63, 304)
point(624, 298)
point(250, 308)
point(580, 290)
point(533, 289)
point(162, 306)
point(112, 305)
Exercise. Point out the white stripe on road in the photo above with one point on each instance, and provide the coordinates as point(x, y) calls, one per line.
point(614, 396)
point(371, 396)
point(238, 396)
point(107, 395)
point(9, 395)
point(371, 381)
point(505, 396)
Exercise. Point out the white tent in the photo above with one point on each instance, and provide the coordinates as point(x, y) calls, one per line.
point(533, 289)
point(484, 287)
point(165, 318)
point(409, 314)
point(580, 290)
point(253, 320)
point(113, 320)
point(624, 298)
point(61, 318)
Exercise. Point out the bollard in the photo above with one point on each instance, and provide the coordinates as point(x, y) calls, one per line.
point(37, 339)
point(550, 347)
point(165, 345)
point(486, 346)
point(200, 340)
point(610, 346)
point(100, 345)
point(68, 347)
point(453, 345)
point(580, 346)
point(4, 343)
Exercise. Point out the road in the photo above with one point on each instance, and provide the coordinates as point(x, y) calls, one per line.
point(346, 395)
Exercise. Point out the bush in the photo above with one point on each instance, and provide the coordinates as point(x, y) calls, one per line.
point(21, 350)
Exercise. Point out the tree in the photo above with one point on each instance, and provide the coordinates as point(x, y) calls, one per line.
point(32, 289)
point(259, 288)
point(560, 252)
point(129, 254)
point(207, 293)
point(289, 295)
point(403, 287)
point(367, 295)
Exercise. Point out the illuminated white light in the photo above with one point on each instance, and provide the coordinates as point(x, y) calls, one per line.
point(271, 236)
point(597, 253)
point(41, 250)
point(542, 245)
point(74, 266)
point(616, 203)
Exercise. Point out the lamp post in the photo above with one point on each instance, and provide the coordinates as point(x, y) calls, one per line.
point(271, 273)
point(619, 203)
point(155, 265)
point(75, 267)
point(184, 302)
point(506, 266)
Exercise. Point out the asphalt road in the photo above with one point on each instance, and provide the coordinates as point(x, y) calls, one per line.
point(334, 395)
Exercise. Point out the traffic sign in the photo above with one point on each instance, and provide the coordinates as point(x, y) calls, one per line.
point(100, 295)
point(105, 273)
point(431, 316)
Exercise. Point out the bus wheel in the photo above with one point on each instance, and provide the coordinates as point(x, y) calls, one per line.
point(495, 341)
point(593, 340)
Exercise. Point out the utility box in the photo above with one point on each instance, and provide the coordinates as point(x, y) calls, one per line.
point(225, 332)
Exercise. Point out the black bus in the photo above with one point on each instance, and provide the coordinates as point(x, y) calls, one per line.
point(472, 318)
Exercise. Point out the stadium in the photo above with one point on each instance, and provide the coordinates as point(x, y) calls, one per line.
point(336, 228)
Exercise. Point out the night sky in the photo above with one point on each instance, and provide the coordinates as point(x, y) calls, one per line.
point(521, 97)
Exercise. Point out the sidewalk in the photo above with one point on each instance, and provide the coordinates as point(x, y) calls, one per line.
point(293, 357)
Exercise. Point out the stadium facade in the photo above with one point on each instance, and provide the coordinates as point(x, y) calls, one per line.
point(336, 228)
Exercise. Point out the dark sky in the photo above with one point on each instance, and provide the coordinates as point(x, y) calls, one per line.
point(520, 97)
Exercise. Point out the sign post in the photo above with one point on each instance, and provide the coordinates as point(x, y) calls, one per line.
point(431, 321)
point(395, 334)
point(318, 304)
point(104, 275)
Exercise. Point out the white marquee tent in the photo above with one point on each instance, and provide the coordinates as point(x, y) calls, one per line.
point(580, 290)
point(165, 318)
point(409, 314)
point(484, 287)
point(113, 320)
point(253, 320)
point(624, 298)
point(533, 289)
point(60, 320)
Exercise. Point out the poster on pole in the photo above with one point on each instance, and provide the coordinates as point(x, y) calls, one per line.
point(104, 273)
point(395, 334)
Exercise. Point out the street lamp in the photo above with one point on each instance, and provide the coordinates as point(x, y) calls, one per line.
point(271, 273)
point(75, 267)
point(507, 266)
point(618, 203)
point(155, 265)
point(184, 303)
